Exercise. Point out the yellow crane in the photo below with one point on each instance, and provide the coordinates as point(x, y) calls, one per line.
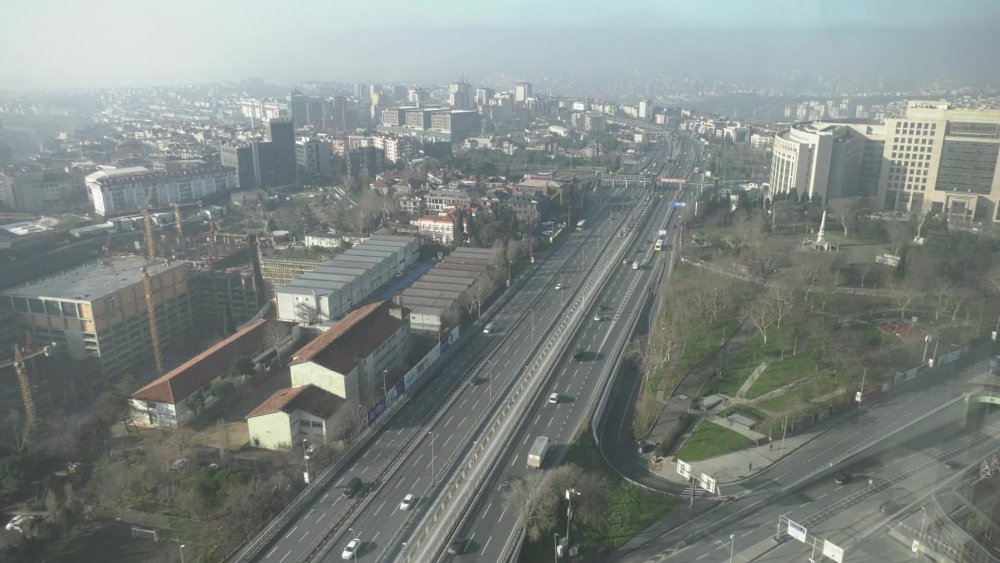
point(147, 282)
point(22, 377)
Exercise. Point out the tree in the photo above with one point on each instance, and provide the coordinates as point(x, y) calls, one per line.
point(903, 295)
point(222, 389)
point(243, 365)
point(545, 501)
point(845, 211)
point(761, 314)
point(196, 402)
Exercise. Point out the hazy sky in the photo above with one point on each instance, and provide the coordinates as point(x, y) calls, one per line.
point(73, 43)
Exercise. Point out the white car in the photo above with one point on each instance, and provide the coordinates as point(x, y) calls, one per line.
point(597, 318)
point(554, 399)
point(19, 523)
point(559, 285)
point(407, 502)
point(351, 550)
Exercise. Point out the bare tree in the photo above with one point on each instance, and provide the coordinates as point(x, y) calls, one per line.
point(761, 314)
point(903, 295)
point(899, 233)
point(845, 210)
point(864, 270)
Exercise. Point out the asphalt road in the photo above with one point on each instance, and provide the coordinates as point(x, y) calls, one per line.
point(759, 495)
point(375, 518)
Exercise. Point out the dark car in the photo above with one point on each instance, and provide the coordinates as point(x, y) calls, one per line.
point(645, 447)
point(954, 464)
point(579, 355)
point(843, 478)
point(353, 487)
point(890, 507)
point(457, 547)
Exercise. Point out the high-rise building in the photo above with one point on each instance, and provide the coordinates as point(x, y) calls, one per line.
point(821, 160)
point(39, 191)
point(460, 96)
point(298, 107)
point(522, 91)
point(265, 164)
point(313, 157)
point(365, 161)
point(646, 109)
point(483, 96)
point(398, 148)
point(942, 160)
point(460, 125)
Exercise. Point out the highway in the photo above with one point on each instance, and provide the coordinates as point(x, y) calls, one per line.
point(400, 460)
point(760, 500)
point(495, 525)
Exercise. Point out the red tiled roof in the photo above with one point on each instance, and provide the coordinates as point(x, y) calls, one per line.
point(356, 336)
point(200, 370)
point(307, 398)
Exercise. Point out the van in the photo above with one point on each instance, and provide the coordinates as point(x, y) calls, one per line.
point(353, 487)
point(635, 265)
point(488, 328)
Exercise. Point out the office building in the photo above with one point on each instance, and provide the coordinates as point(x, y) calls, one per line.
point(522, 91)
point(595, 123)
point(39, 191)
point(397, 148)
point(313, 157)
point(943, 160)
point(119, 190)
point(98, 310)
point(298, 108)
point(459, 125)
point(820, 160)
point(646, 110)
point(460, 96)
point(264, 164)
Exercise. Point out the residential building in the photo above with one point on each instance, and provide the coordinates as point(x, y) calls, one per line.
point(397, 148)
point(943, 160)
point(595, 123)
point(526, 208)
point(354, 358)
point(292, 415)
point(313, 157)
point(412, 205)
point(39, 191)
point(98, 310)
point(761, 140)
point(438, 201)
point(523, 91)
point(440, 227)
point(166, 401)
point(365, 162)
point(544, 186)
point(224, 299)
point(119, 190)
point(646, 110)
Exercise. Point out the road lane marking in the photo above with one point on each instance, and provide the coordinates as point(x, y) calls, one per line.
point(487, 543)
point(320, 519)
point(488, 506)
point(702, 556)
point(269, 553)
point(304, 535)
point(502, 513)
point(513, 461)
point(746, 533)
point(450, 436)
point(291, 531)
point(822, 496)
point(805, 504)
point(375, 536)
point(310, 513)
point(286, 556)
point(380, 507)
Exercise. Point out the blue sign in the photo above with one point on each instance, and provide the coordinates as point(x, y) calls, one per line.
point(677, 204)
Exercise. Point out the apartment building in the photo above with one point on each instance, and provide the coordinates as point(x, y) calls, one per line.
point(119, 190)
point(440, 227)
point(39, 191)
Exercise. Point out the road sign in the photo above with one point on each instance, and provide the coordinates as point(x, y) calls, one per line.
point(684, 469)
point(833, 552)
point(707, 483)
point(857, 397)
point(796, 531)
point(677, 204)
point(915, 547)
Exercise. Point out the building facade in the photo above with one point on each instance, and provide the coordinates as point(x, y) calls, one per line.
point(39, 191)
point(121, 190)
point(292, 415)
point(821, 160)
point(440, 227)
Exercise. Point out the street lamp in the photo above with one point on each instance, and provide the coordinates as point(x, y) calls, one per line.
point(923, 517)
point(555, 546)
point(508, 272)
point(181, 549)
point(732, 546)
point(569, 510)
point(433, 474)
point(385, 389)
point(490, 379)
point(357, 536)
point(305, 457)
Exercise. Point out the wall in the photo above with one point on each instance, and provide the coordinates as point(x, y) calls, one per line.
point(342, 386)
point(271, 431)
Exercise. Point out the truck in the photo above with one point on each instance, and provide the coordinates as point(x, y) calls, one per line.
point(536, 456)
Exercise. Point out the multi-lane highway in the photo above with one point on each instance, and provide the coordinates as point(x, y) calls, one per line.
point(436, 422)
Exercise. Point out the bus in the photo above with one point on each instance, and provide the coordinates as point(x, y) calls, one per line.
point(659, 244)
point(580, 224)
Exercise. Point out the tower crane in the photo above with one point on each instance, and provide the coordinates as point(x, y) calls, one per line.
point(147, 282)
point(22, 377)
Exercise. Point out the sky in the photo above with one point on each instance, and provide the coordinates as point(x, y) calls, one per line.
point(71, 44)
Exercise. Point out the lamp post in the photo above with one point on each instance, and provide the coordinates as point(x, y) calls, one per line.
point(305, 457)
point(357, 536)
point(569, 510)
point(433, 474)
point(555, 546)
point(385, 389)
point(732, 546)
point(180, 548)
point(861, 392)
point(923, 517)
point(490, 379)
point(508, 272)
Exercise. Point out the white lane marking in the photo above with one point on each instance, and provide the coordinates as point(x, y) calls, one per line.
point(291, 531)
point(820, 497)
point(702, 556)
point(513, 461)
point(746, 533)
point(270, 552)
point(306, 533)
point(487, 543)
point(320, 519)
point(308, 514)
point(805, 504)
point(488, 507)
point(502, 513)
point(376, 535)
point(380, 508)
point(286, 556)
point(450, 436)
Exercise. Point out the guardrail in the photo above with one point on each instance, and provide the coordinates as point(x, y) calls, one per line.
point(568, 321)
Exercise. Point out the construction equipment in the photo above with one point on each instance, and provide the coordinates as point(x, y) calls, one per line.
point(22, 377)
point(179, 225)
point(147, 283)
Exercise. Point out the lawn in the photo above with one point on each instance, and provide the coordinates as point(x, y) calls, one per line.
point(745, 410)
point(710, 440)
point(783, 372)
point(630, 509)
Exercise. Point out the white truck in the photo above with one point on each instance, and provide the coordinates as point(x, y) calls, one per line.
point(536, 456)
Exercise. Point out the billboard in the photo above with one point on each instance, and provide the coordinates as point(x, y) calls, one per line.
point(707, 483)
point(796, 531)
point(672, 180)
point(684, 469)
point(833, 552)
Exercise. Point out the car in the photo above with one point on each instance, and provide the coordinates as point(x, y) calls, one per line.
point(407, 502)
point(351, 549)
point(843, 478)
point(489, 328)
point(890, 507)
point(559, 285)
point(554, 399)
point(644, 447)
point(353, 487)
point(598, 318)
point(457, 547)
point(579, 355)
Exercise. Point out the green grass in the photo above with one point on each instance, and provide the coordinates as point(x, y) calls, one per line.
point(745, 410)
point(711, 440)
point(630, 509)
point(783, 372)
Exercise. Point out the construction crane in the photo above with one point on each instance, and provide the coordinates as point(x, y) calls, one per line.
point(179, 225)
point(147, 283)
point(22, 377)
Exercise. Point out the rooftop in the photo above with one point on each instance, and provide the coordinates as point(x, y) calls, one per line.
point(93, 280)
point(356, 336)
point(307, 398)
